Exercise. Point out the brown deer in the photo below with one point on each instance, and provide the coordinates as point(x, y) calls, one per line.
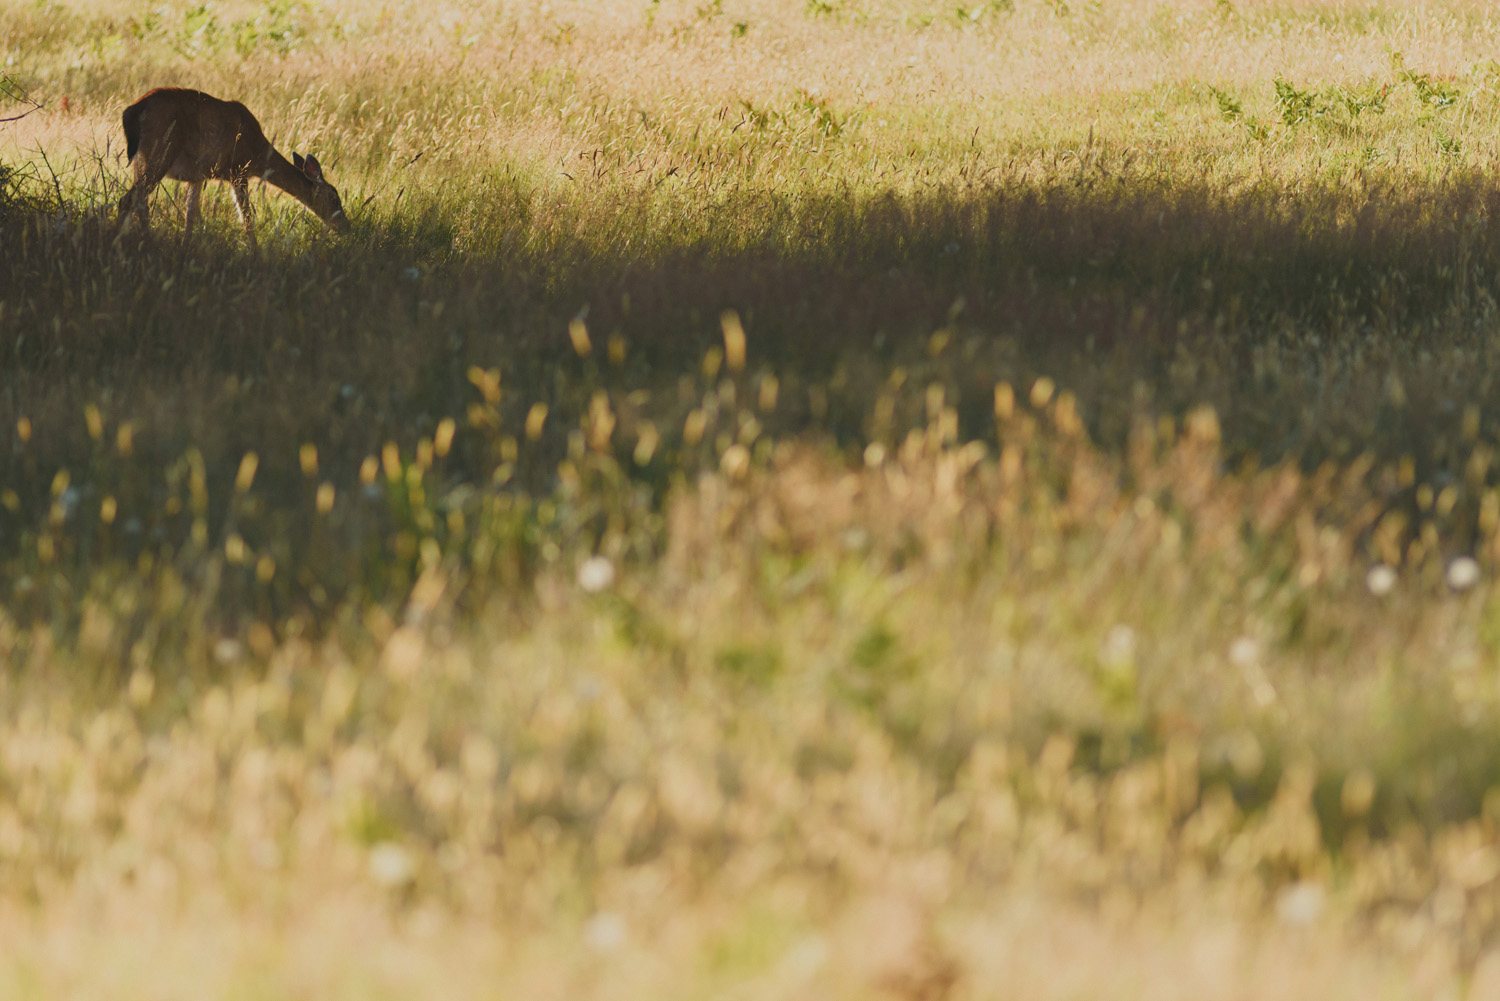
point(189, 136)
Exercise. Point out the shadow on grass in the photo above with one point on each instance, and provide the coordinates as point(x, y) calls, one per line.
point(136, 378)
point(1069, 276)
point(1319, 322)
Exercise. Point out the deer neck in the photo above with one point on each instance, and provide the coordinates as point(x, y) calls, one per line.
point(280, 172)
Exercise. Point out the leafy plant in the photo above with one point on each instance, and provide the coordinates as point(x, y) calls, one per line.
point(1296, 107)
point(825, 120)
point(1230, 108)
point(279, 27)
point(965, 14)
point(1431, 91)
point(199, 33)
point(1358, 101)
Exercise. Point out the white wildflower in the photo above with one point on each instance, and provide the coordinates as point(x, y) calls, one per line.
point(391, 865)
point(1300, 903)
point(596, 574)
point(605, 931)
point(1244, 652)
point(1463, 573)
point(1381, 580)
point(1118, 648)
point(69, 501)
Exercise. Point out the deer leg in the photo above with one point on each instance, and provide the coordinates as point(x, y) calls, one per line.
point(126, 209)
point(241, 188)
point(194, 194)
point(137, 204)
point(149, 171)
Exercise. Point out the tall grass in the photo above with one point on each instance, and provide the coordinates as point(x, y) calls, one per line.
point(838, 499)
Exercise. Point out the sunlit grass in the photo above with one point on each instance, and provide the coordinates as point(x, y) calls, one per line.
point(777, 499)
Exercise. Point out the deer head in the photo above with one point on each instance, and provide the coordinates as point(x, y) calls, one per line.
point(325, 198)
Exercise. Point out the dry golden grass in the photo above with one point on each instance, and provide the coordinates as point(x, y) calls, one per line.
point(775, 500)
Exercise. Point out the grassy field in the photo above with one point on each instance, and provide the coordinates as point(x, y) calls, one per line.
point(774, 499)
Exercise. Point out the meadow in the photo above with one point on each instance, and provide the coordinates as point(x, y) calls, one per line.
point(773, 499)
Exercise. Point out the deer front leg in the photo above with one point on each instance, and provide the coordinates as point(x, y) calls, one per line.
point(241, 189)
point(194, 195)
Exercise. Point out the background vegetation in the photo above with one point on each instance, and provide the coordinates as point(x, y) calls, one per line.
point(775, 499)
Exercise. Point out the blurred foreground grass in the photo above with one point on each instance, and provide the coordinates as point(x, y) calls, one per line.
point(775, 499)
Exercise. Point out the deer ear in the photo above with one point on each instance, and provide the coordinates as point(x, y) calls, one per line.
point(312, 168)
point(297, 161)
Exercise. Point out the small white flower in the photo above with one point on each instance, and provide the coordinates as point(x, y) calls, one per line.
point(605, 931)
point(1381, 580)
point(228, 650)
point(855, 539)
point(265, 854)
point(1463, 573)
point(1118, 648)
point(1300, 903)
point(588, 688)
point(806, 958)
point(391, 865)
point(596, 574)
point(1244, 651)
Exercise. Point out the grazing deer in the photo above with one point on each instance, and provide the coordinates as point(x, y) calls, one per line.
point(189, 136)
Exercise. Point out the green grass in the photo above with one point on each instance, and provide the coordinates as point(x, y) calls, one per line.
point(792, 500)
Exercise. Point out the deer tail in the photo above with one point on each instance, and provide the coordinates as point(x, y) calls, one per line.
point(131, 119)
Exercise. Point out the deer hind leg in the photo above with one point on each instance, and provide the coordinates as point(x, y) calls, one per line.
point(241, 188)
point(150, 168)
point(137, 205)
